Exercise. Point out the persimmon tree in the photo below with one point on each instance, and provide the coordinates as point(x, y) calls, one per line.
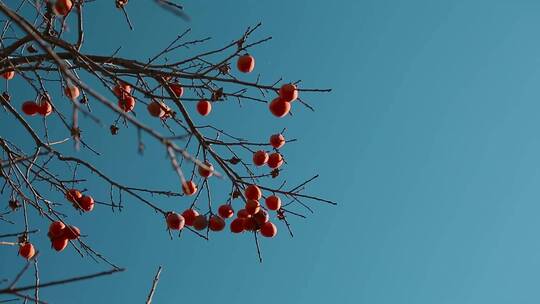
point(134, 92)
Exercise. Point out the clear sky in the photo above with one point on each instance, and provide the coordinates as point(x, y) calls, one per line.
point(429, 142)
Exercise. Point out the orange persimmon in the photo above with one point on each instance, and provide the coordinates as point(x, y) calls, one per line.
point(27, 250)
point(175, 221)
point(260, 158)
point(245, 63)
point(275, 160)
point(189, 188)
point(30, 108)
point(200, 222)
point(253, 192)
point(237, 225)
point(268, 229)
point(273, 202)
point(216, 223)
point(288, 92)
point(279, 107)
point(204, 107)
point(225, 211)
point(189, 216)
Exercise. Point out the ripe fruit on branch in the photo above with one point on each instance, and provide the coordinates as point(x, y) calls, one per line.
point(72, 232)
point(189, 216)
point(9, 75)
point(260, 158)
point(44, 106)
point(200, 222)
point(225, 211)
point(126, 103)
point(206, 172)
point(242, 213)
point(277, 140)
point(189, 188)
point(63, 7)
point(72, 92)
point(30, 108)
point(245, 63)
point(56, 229)
point(275, 160)
point(122, 89)
point(73, 195)
point(279, 107)
point(237, 225)
point(86, 202)
point(177, 89)
point(175, 221)
point(60, 243)
point(252, 206)
point(253, 192)
point(204, 107)
point(268, 230)
point(250, 224)
point(273, 202)
point(27, 250)
point(288, 92)
point(157, 109)
point(261, 217)
point(216, 223)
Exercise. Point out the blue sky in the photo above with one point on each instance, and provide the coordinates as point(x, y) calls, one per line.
point(429, 142)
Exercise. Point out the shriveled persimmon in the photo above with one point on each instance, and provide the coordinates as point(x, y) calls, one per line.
point(126, 103)
point(189, 188)
point(275, 160)
point(253, 192)
point(279, 107)
point(246, 63)
point(204, 107)
point(27, 250)
point(277, 141)
point(225, 211)
point(189, 216)
point(175, 221)
point(288, 92)
point(273, 202)
point(260, 158)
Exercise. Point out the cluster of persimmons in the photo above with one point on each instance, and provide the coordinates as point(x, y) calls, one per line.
point(252, 217)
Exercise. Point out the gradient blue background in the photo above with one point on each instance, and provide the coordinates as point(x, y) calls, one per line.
point(429, 141)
